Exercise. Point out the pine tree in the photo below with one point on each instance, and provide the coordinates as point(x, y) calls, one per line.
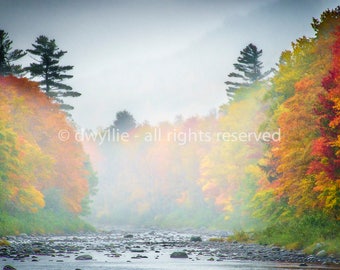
point(52, 74)
point(8, 56)
point(249, 69)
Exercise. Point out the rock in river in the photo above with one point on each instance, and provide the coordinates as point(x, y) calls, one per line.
point(84, 257)
point(8, 267)
point(195, 239)
point(321, 254)
point(179, 255)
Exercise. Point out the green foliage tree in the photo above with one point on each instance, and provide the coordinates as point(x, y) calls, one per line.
point(249, 69)
point(124, 121)
point(8, 56)
point(52, 74)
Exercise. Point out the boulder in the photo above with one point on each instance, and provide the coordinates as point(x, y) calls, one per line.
point(84, 257)
point(8, 267)
point(179, 255)
point(195, 239)
point(321, 254)
point(137, 250)
point(317, 247)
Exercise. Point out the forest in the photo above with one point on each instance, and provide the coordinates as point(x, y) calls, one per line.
point(266, 166)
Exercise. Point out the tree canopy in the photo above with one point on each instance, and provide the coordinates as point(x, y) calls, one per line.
point(40, 173)
point(124, 121)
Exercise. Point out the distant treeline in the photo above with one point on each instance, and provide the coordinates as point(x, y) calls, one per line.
point(286, 189)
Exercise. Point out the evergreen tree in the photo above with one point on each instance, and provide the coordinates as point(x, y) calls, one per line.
point(249, 69)
point(124, 121)
point(52, 74)
point(8, 56)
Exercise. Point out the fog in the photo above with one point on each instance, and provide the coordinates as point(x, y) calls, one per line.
point(151, 178)
point(190, 173)
point(159, 60)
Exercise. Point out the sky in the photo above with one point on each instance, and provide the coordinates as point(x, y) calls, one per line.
point(156, 59)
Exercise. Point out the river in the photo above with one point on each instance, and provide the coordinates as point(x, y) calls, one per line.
point(148, 250)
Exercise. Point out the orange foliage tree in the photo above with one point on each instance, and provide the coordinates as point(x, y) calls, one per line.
point(301, 171)
point(326, 148)
point(34, 159)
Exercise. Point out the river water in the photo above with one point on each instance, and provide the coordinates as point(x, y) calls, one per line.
point(142, 250)
point(162, 264)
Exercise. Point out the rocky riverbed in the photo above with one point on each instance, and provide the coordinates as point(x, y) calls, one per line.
point(153, 247)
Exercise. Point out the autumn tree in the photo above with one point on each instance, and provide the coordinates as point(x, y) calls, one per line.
point(327, 23)
point(23, 164)
point(225, 170)
point(301, 170)
point(326, 148)
point(157, 178)
point(41, 175)
point(51, 73)
point(8, 56)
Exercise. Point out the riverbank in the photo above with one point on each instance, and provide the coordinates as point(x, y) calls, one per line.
point(151, 246)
